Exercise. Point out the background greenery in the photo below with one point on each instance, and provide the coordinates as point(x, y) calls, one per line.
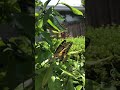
point(103, 58)
point(16, 43)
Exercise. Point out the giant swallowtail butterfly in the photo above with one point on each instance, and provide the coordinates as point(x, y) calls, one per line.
point(62, 50)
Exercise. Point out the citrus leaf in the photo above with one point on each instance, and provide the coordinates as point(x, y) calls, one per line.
point(36, 14)
point(51, 23)
point(74, 10)
point(68, 73)
point(40, 23)
point(79, 87)
point(47, 76)
point(46, 3)
point(2, 43)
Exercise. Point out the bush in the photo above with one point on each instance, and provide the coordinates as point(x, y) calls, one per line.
point(102, 55)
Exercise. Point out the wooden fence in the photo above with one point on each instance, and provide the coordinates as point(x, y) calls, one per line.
point(74, 29)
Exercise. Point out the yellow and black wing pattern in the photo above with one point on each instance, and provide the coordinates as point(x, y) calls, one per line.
point(62, 50)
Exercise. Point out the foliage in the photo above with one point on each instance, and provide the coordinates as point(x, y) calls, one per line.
point(103, 57)
point(79, 43)
point(52, 73)
point(74, 10)
point(83, 2)
point(15, 55)
point(16, 47)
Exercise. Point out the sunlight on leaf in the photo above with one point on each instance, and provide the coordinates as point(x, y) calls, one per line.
point(74, 10)
point(51, 23)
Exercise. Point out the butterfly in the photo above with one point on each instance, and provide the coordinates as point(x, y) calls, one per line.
point(62, 50)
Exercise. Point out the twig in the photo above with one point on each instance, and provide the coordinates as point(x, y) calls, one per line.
point(57, 3)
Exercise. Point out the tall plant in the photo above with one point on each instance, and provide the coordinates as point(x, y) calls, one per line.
point(52, 74)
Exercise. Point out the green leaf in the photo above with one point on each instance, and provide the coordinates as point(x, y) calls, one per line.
point(79, 87)
point(47, 76)
point(12, 1)
point(52, 24)
point(74, 10)
point(39, 78)
point(70, 85)
point(58, 15)
point(58, 85)
point(83, 79)
point(57, 24)
point(38, 3)
point(16, 7)
point(74, 52)
point(54, 83)
point(42, 57)
point(46, 3)
point(36, 14)
point(68, 73)
point(46, 37)
point(40, 23)
point(47, 15)
point(2, 43)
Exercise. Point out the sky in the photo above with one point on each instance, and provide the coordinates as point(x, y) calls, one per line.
point(70, 2)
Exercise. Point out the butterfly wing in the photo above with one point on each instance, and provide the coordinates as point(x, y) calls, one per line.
point(60, 48)
point(69, 44)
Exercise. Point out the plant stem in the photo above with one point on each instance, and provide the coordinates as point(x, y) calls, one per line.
point(57, 3)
